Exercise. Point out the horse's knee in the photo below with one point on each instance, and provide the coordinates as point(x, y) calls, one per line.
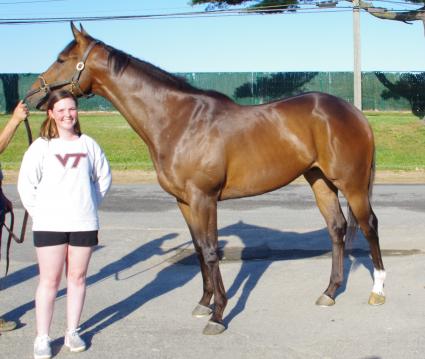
point(373, 223)
point(210, 255)
point(370, 228)
point(337, 230)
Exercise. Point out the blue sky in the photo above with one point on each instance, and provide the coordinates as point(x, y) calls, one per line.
point(305, 41)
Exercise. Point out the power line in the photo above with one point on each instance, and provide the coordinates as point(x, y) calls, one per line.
point(28, 2)
point(25, 21)
point(399, 2)
point(216, 13)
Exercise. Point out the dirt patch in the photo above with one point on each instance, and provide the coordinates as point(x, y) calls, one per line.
point(382, 177)
point(141, 177)
point(400, 177)
point(134, 176)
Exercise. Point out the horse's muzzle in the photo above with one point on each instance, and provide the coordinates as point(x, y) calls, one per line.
point(37, 98)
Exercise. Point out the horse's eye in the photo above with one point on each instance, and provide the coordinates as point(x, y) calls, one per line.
point(60, 60)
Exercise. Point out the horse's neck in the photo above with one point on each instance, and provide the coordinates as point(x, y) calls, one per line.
point(137, 102)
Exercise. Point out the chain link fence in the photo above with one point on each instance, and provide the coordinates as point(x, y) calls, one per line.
point(381, 91)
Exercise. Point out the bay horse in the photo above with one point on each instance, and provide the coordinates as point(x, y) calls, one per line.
point(206, 148)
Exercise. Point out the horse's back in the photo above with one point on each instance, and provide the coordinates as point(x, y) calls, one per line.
point(273, 144)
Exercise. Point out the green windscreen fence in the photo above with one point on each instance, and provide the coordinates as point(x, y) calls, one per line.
point(384, 91)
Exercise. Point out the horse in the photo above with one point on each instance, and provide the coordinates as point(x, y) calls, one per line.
point(206, 148)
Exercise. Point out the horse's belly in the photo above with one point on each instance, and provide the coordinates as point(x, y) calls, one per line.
point(260, 180)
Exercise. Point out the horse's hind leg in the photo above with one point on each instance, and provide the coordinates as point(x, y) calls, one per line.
point(327, 200)
point(368, 223)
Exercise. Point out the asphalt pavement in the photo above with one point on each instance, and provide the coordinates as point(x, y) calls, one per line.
point(144, 281)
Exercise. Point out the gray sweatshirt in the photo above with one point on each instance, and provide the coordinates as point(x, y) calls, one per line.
point(62, 183)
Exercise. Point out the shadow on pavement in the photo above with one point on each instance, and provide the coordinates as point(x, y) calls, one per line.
point(315, 243)
point(280, 246)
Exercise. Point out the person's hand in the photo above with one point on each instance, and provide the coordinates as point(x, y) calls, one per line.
point(21, 112)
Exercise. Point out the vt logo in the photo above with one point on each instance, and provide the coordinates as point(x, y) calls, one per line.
point(76, 156)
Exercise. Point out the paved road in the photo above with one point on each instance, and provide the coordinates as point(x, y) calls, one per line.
point(144, 282)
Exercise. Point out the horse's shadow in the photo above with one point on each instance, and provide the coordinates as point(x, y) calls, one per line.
point(289, 245)
point(281, 246)
point(311, 244)
point(141, 253)
point(18, 277)
point(166, 280)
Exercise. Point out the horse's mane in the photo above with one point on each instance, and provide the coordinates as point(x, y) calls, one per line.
point(118, 62)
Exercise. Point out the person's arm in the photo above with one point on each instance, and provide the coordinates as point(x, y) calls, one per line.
point(19, 114)
point(101, 174)
point(30, 175)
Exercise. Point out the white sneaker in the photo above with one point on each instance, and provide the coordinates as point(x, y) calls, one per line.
point(42, 349)
point(74, 342)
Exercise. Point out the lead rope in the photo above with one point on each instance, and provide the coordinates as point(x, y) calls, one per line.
point(21, 238)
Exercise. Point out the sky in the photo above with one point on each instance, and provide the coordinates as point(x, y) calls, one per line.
point(304, 41)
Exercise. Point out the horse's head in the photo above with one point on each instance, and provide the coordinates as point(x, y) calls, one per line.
point(70, 70)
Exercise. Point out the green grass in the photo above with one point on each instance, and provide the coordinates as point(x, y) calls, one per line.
point(400, 141)
point(124, 149)
point(399, 137)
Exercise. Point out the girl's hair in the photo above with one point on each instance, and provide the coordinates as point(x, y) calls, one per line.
point(48, 128)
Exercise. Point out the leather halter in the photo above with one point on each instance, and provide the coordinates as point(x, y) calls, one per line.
point(74, 81)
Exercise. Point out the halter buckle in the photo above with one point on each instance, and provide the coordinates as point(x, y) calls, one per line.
point(44, 85)
point(80, 66)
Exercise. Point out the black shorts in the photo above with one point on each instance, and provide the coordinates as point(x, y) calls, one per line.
point(78, 239)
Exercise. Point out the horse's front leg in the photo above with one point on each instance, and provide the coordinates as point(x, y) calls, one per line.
point(203, 308)
point(201, 216)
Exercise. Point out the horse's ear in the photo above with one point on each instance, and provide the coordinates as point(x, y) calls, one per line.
point(84, 32)
point(76, 32)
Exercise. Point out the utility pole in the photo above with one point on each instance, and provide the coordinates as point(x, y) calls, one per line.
point(357, 59)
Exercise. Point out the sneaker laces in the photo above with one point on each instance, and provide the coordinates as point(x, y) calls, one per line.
point(73, 332)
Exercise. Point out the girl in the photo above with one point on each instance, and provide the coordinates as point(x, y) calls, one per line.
point(63, 178)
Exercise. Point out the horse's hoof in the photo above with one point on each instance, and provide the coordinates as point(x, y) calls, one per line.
point(325, 301)
point(201, 311)
point(214, 328)
point(376, 299)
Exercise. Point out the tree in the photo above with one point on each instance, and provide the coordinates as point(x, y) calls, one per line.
point(274, 6)
point(275, 86)
point(409, 86)
point(10, 89)
point(405, 16)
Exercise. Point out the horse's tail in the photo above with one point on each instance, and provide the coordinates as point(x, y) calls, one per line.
point(351, 220)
